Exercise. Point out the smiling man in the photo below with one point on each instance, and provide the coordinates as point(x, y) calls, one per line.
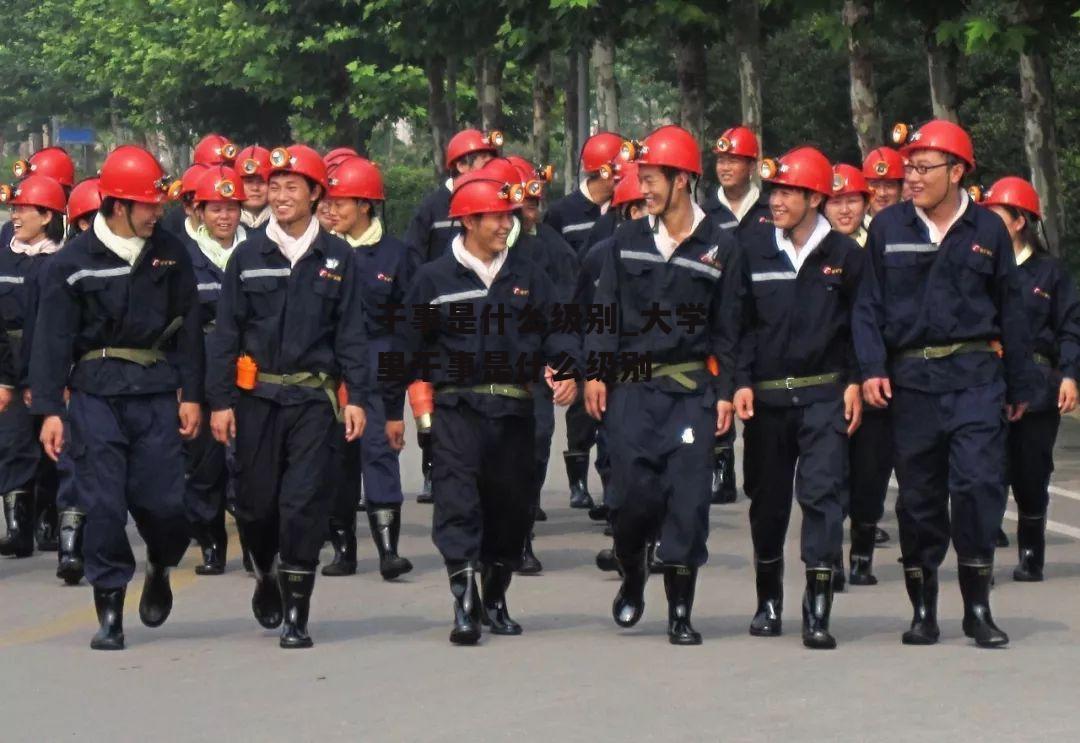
point(289, 330)
point(119, 326)
point(671, 278)
point(943, 342)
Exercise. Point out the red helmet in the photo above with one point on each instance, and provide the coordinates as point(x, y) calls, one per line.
point(669, 146)
point(480, 193)
point(214, 149)
point(1014, 192)
point(253, 161)
point(219, 183)
point(84, 199)
point(503, 170)
point(628, 189)
point(847, 179)
point(133, 174)
point(189, 181)
point(943, 136)
point(35, 190)
point(739, 141)
point(300, 159)
point(534, 178)
point(472, 140)
point(883, 164)
point(356, 178)
point(51, 161)
point(802, 167)
point(599, 150)
point(336, 155)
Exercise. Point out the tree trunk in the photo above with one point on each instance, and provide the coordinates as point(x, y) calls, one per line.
point(451, 91)
point(489, 67)
point(746, 35)
point(865, 112)
point(941, 63)
point(570, 122)
point(1040, 141)
point(435, 69)
point(691, 64)
point(607, 100)
point(583, 128)
point(543, 97)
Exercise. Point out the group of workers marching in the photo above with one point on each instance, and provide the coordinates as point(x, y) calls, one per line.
point(252, 350)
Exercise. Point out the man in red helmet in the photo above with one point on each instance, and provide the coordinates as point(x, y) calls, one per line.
point(181, 219)
point(289, 329)
point(253, 164)
point(119, 326)
point(796, 391)
point(671, 278)
point(883, 169)
point(575, 216)
point(483, 346)
point(431, 230)
point(737, 202)
point(944, 343)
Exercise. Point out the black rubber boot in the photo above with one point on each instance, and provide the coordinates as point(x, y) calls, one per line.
point(109, 604)
point(539, 514)
point(245, 553)
point(19, 540)
point(496, 578)
point(530, 565)
point(839, 575)
point(296, 585)
point(975, 578)
point(343, 540)
point(817, 605)
point(1002, 539)
point(922, 590)
point(156, 602)
point(769, 578)
point(385, 523)
point(213, 540)
point(1031, 545)
point(466, 629)
point(881, 537)
point(679, 582)
point(266, 598)
point(629, 602)
point(599, 513)
point(605, 560)
point(656, 565)
point(577, 472)
point(424, 439)
point(723, 480)
point(45, 529)
point(861, 557)
point(69, 567)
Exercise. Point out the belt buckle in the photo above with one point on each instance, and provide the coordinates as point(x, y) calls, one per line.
point(104, 353)
point(926, 353)
point(491, 389)
point(789, 383)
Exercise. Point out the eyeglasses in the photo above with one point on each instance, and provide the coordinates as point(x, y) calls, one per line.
point(923, 169)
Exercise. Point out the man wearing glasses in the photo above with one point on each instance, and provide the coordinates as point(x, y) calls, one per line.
point(942, 341)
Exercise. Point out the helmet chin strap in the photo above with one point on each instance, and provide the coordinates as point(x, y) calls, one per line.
point(127, 215)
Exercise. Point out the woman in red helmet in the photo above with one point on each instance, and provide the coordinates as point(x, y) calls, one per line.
point(27, 485)
point(216, 199)
point(1053, 311)
point(355, 197)
point(118, 325)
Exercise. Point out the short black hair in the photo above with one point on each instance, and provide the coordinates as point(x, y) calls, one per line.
point(108, 205)
point(311, 182)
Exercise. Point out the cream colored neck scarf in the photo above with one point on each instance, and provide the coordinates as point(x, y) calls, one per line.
point(292, 248)
point(127, 249)
point(370, 236)
point(213, 250)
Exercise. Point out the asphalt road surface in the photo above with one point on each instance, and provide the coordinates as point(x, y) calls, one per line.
point(383, 670)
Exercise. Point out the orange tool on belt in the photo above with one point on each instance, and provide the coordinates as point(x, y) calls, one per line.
point(342, 396)
point(713, 365)
point(247, 372)
point(422, 402)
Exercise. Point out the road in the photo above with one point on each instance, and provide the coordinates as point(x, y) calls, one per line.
point(382, 669)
